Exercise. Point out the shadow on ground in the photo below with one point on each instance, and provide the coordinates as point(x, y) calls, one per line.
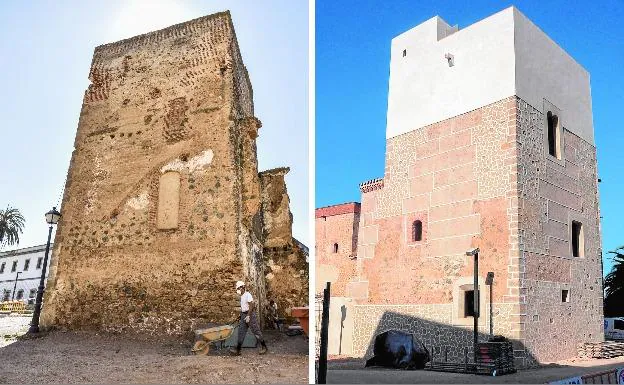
point(440, 338)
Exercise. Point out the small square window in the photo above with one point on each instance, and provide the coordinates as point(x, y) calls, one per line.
point(565, 295)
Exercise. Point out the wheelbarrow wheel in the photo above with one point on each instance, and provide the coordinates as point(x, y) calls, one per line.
point(201, 348)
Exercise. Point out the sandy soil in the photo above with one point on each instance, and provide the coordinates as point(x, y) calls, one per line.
point(84, 357)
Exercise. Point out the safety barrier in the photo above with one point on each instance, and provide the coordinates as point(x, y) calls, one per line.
point(13, 307)
point(613, 376)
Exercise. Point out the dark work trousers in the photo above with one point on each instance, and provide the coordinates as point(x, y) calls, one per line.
point(253, 324)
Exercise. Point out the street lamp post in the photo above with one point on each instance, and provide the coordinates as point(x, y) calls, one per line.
point(475, 253)
point(15, 285)
point(52, 218)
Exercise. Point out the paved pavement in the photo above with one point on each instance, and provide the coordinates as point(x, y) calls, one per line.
point(541, 375)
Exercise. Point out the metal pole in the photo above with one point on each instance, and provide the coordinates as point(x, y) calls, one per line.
point(15, 285)
point(491, 314)
point(322, 374)
point(34, 324)
point(476, 306)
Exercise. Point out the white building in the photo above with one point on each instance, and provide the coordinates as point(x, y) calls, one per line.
point(20, 272)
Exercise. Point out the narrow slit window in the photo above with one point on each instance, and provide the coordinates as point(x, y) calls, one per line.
point(39, 262)
point(26, 264)
point(416, 231)
point(553, 135)
point(335, 248)
point(565, 295)
point(404, 52)
point(2, 267)
point(578, 242)
point(14, 266)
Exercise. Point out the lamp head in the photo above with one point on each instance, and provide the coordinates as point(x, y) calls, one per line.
point(489, 279)
point(52, 216)
point(474, 251)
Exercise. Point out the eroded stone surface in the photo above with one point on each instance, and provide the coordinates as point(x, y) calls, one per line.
point(172, 102)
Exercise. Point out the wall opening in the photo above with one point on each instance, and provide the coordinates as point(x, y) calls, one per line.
point(416, 231)
point(14, 266)
point(565, 295)
point(404, 52)
point(26, 264)
point(469, 302)
point(39, 262)
point(554, 146)
point(2, 267)
point(578, 241)
point(168, 200)
point(335, 248)
point(6, 295)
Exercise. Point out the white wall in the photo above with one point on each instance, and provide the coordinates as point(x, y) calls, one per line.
point(500, 56)
point(424, 89)
point(545, 70)
point(28, 279)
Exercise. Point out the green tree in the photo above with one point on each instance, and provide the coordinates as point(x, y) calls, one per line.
point(614, 285)
point(11, 226)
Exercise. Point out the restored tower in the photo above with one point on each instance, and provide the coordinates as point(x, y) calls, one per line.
point(489, 144)
point(162, 207)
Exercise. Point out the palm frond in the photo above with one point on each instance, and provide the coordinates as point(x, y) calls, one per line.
point(11, 226)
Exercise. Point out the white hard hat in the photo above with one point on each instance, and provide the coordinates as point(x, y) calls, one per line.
point(240, 284)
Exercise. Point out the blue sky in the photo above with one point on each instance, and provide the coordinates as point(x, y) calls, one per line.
point(45, 55)
point(352, 69)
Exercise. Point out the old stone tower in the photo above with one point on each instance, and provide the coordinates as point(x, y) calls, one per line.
point(164, 208)
point(489, 144)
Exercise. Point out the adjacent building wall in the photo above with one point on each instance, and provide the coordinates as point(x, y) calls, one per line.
point(286, 268)
point(28, 280)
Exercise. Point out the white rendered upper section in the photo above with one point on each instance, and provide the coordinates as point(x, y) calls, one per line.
point(497, 57)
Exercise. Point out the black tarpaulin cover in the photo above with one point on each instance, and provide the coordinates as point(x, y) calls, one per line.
point(397, 349)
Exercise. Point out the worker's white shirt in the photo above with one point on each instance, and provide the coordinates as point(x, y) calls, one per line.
point(245, 299)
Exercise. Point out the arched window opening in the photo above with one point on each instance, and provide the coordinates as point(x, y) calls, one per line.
point(416, 231)
point(335, 248)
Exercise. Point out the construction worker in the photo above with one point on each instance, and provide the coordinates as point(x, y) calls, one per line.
point(248, 319)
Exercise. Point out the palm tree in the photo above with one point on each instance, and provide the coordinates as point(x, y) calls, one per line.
point(614, 285)
point(11, 226)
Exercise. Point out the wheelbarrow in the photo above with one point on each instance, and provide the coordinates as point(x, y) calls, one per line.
point(211, 335)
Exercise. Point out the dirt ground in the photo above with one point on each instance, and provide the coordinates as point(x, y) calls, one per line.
point(352, 371)
point(84, 357)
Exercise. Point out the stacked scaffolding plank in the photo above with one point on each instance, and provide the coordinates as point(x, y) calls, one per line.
point(495, 358)
point(607, 349)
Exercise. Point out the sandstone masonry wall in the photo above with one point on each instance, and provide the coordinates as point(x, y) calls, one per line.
point(161, 211)
point(482, 179)
point(553, 193)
